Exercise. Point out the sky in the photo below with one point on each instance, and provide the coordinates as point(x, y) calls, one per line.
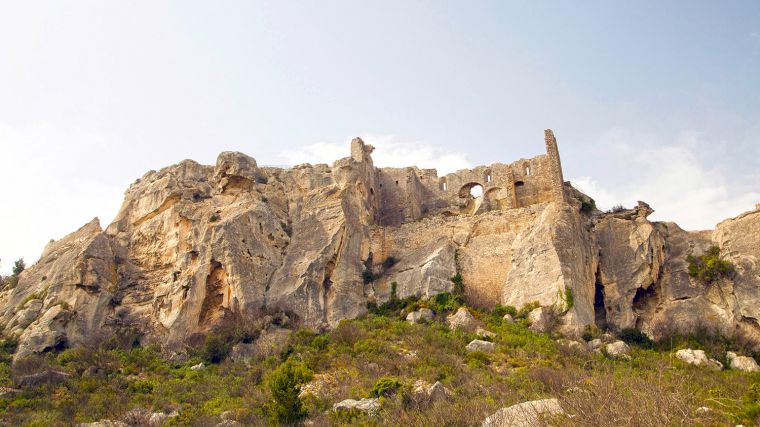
point(649, 100)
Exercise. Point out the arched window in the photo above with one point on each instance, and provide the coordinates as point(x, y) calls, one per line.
point(527, 170)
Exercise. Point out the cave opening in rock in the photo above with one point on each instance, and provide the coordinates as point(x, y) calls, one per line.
point(644, 301)
point(600, 311)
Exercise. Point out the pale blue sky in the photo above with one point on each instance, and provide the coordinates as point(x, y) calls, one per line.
point(650, 100)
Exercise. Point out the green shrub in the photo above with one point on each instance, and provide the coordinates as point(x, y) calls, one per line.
point(285, 383)
point(568, 299)
point(527, 308)
point(458, 284)
point(385, 386)
point(213, 218)
point(501, 310)
point(588, 206)
point(219, 344)
point(444, 302)
point(589, 333)
point(634, 336)
point(709, 266)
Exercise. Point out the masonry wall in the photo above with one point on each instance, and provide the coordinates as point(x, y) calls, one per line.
point(411, 193)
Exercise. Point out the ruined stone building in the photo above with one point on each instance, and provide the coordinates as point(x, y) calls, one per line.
point(408, 194)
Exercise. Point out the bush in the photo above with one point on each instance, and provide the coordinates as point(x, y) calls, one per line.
point(18, 267)
point(617, 208)
point(527, 308)
point(588, 205)
point(217, 346)
point(589, 333)
point(285, 384)
point(501, 310)
point(634, 336)
point(444, 302)
point(386, 386)
point(709, 266)
point(458, 284)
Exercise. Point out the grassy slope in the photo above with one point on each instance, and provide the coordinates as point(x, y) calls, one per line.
point(651, 389)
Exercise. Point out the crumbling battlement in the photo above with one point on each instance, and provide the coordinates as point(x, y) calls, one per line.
point(407, 194)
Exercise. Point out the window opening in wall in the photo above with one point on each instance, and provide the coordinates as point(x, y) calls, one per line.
point(519, 184)
point(445, 186)
point(396, 182)
point(527, 170)
point(476, 191)
point(488, 178)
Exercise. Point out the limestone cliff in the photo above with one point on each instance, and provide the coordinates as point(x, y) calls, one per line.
point(194, 246)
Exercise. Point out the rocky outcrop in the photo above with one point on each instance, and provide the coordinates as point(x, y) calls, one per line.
point(194, 247)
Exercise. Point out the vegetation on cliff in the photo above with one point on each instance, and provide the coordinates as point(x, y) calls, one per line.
point(381, 356)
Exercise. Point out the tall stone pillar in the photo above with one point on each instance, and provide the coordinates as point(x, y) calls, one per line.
point(555, 166)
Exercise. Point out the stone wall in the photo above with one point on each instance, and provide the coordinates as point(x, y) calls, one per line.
point(407, 194)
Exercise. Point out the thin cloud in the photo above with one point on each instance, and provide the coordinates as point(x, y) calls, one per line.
point(389, 152)
point(674, 179)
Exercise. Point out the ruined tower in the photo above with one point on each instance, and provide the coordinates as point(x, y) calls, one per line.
point(555, 166)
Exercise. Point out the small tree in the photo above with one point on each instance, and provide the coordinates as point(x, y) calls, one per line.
point(18, 267)
point(285, 384)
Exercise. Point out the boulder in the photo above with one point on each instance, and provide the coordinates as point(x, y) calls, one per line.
point(157, 419)
point(741, 363)
point(526, 414)
point(572, 346)
point(480, 345)
point(462, 319)
point(542, 320)
point(198, 367)
point(368, 405)
point(8, 392)
point(425, 393)
point(595, 344)
point(508, 318)
point(698, 358)
point(618, 350)
point(104, 423)
point(425, 314)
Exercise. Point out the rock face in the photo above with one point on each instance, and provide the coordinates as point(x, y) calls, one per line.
point(196, 246)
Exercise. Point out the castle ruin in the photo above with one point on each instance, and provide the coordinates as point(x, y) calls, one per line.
point(410, 193)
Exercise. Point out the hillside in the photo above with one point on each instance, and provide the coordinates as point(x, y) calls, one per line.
point(392, 363)
point(305, 275)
